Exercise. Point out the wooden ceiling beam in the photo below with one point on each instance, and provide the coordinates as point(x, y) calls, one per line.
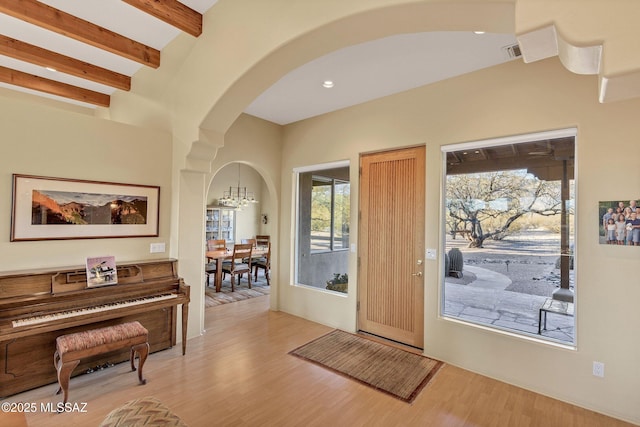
point(173, 13)
point(554, 173)
point(46, 58)
point(18, 78)
point(68, 25)
point(456, 158)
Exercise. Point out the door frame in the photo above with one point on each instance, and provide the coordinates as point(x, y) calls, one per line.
point(419, 245)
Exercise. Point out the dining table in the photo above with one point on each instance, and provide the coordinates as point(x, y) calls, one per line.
point(219, 255)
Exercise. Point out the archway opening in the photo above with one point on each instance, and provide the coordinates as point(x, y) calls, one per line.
point(238, 208)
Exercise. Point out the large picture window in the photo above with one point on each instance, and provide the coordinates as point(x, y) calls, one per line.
point(322, 232)
point(509, 215)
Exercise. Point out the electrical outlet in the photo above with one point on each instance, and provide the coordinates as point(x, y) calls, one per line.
point(598, 369)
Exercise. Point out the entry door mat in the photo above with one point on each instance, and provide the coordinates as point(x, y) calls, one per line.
point(392, 370)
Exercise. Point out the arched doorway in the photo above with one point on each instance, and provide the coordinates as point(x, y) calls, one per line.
point(232, 88)
point(238, 208)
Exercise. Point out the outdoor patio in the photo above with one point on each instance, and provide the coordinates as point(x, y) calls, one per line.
point(505, 283)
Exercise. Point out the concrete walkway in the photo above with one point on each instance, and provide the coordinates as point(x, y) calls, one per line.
point(485, 301)
point(487, 279)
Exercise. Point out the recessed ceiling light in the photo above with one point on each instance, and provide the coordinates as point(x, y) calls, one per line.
point(478, 32)
point(328, 84)
point(50, 69)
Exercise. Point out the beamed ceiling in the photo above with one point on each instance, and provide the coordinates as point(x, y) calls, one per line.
point(85, 50)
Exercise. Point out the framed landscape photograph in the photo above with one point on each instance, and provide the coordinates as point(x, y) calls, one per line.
point(45, 208)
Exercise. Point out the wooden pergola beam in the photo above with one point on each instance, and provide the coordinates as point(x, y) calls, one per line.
point(68, 25)
point(173, 13)
point(18, 78)
point(46, 58)
point(539, 164)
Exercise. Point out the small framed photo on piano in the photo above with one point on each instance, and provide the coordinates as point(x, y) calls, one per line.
point(101, 271)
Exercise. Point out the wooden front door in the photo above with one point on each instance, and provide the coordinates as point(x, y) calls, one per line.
point(391, 285)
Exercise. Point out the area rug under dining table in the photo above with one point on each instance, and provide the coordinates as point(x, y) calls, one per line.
point(242, 292)
point(392, 370)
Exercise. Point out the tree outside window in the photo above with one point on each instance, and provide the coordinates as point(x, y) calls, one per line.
point(509, 215)
point(322, 227)
point(330, 210)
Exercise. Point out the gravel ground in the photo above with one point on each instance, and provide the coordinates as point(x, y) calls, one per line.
point(527, 258)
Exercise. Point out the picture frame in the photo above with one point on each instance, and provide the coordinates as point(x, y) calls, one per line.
point(101, 271)
point(624, 230)
point(47, 208)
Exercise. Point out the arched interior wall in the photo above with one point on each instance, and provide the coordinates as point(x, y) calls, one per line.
point(203, 112)
point(241, 73)
point(253, 142)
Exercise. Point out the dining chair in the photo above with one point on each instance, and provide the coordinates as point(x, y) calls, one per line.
point(264, 263)
point(237, 264)
point(252, 242)
point(263, 240)
point(213, 245)
point(210, 267)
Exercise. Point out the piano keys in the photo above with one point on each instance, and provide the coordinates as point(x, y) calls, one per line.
point(44, 318)
point(39, 305)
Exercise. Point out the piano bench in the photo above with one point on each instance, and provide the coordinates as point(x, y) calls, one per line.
point(73, 347)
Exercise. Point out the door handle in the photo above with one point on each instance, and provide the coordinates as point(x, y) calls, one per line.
point(419, 274)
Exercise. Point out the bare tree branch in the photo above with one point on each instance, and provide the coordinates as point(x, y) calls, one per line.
point(505, 196)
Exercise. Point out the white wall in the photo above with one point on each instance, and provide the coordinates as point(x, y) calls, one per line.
point(46, 141)
point(510, 99)
point(217, 79)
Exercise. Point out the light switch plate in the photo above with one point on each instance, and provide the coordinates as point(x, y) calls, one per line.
point(598, 369)
point(157, 248)
point(431, 254)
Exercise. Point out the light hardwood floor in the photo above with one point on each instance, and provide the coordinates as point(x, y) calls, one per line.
point(239, 374)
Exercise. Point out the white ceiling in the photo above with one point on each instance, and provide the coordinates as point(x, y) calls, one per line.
point(361, 73)
point(378, 68)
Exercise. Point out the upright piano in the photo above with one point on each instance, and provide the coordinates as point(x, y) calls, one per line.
point(37, 306)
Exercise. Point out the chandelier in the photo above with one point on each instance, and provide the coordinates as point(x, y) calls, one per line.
point(237, 197)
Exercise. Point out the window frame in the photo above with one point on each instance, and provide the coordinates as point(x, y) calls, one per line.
point(296, 172)
point(493, 142)
point(332, 182)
